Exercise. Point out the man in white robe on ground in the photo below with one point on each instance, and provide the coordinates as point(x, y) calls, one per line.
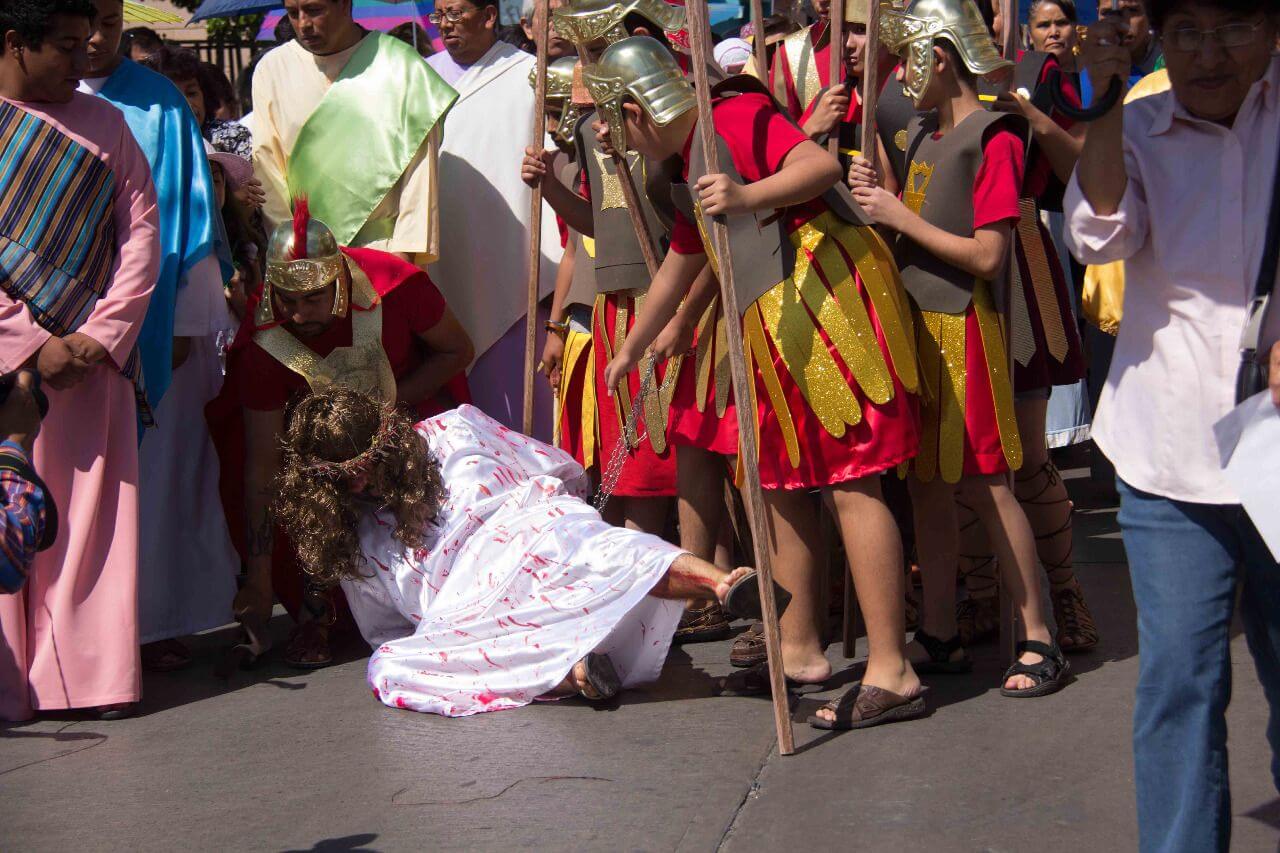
point(484, 222)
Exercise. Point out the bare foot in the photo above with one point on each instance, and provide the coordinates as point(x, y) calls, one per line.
point(1023, 682)
point(805, 667)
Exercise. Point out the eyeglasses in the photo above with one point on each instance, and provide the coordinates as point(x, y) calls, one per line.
point(453, 16)
point(1188, 39)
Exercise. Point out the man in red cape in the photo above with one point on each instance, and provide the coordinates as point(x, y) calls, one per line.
point(327, 316)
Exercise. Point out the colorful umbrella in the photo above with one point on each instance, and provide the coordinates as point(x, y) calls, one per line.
point(136, 13)
point(372, 15)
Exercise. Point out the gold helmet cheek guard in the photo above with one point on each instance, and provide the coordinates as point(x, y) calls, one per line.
point(911, 40)
point(918, 69)
point(607, 93)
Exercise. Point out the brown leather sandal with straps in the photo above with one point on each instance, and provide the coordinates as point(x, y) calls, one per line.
point(864, 705)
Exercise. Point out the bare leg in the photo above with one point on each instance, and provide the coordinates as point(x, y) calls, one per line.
point(874, 549)
point(1043, 495)
point(700, 475)
point(938, 550)
point(1044, 499)
point(978, 614)
point(793, 534)
point(1015, 547)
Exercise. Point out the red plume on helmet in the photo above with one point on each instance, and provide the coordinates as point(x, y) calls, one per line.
point(301, 218)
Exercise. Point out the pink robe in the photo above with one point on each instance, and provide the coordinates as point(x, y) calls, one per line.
point(70, 640)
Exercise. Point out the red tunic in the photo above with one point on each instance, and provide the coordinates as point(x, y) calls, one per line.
point(645, 474)
point(256, 381)
point(759, 139)
point(996, 190)
point(782, 65)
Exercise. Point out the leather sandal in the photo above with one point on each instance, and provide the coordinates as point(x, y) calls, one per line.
point(978, 619)
point(704, 622)
point(940, 653)
point(863, 706)
point(308, 646)
point(1076, 629)
point(1049, 674)
point(748, 649)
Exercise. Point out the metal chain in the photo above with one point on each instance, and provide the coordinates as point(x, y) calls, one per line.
point(629, 438)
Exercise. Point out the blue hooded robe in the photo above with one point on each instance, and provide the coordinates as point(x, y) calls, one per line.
point(191, 226)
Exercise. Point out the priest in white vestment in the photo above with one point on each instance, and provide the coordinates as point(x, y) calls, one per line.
point(484, 227)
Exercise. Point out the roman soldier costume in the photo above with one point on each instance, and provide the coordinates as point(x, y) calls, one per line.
point(958, 328)
point(381, 306)
point(612, 261)
point(826, 324)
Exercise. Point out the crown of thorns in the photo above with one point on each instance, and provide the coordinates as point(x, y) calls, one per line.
point(361, 462)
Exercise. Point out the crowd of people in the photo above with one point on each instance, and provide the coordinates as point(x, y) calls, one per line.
point(266, 345)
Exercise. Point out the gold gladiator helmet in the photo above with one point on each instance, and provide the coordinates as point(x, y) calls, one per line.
point(302, 257)
point(857, 11)
point(560, 94)
point(645, 70)
point(585, 21)
point(911, 33)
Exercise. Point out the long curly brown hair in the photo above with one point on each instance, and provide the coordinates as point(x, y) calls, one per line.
point(335, 439)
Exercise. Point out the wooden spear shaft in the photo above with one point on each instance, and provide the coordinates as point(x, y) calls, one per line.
point(869, 148)
point(869, 143)
point(1009, 50)
point(541, 30)
point(759, 49)
point(835, 50)
point(700, 40)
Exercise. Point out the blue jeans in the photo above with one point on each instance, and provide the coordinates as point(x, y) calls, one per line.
point(1185, 561)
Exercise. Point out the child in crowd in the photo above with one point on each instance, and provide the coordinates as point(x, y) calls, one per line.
point(955, 220)
point(828, 344)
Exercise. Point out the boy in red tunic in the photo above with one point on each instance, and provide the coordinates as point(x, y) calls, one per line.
point(609, 257)
point(1047, 352)
point(828, 343)
point(327, 316)
point(955, 221)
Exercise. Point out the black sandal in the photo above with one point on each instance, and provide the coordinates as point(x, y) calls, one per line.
point(1049, 674)
point(602, 680)
point(940, 652)
point(742, 601)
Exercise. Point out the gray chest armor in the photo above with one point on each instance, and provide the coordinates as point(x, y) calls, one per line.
point(894, 112)
point(942, 171)
point(619, 263)
point(761, 248)
point(582, 288)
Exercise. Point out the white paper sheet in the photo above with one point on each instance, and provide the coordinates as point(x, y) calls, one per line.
point(1249, 446)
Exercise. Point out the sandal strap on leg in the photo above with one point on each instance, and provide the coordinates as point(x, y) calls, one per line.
point(1049, 652)
point(940, 651)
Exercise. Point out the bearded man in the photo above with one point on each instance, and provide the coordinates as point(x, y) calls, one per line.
point(329, 315)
